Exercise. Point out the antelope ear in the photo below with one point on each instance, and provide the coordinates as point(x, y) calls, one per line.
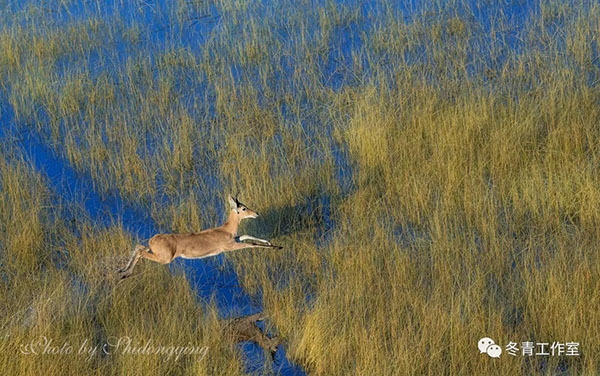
point(232, 202)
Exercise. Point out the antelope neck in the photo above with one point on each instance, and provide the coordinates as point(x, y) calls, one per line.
point(232, 223)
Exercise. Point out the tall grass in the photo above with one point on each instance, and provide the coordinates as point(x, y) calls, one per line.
point(59, 284)
point(432, 173)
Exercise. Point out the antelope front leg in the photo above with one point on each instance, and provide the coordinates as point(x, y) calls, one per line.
point(240, 245)
point(248, 237)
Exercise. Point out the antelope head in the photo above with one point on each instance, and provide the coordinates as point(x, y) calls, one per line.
point(240, 209)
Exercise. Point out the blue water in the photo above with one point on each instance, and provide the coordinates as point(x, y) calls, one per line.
point(214, 279)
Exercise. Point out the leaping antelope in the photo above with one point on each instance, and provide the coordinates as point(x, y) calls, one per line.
point(164, 248)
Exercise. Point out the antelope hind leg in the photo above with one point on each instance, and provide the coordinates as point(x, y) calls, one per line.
point(135, 257)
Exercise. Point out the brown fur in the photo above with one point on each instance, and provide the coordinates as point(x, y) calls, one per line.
point(164, 248)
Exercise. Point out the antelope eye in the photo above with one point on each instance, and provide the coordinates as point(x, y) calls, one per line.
point(243, 209)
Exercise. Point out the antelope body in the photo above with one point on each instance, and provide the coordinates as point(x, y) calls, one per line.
point(164, 248)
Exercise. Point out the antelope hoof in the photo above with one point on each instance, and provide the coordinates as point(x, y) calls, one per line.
point(125, 274)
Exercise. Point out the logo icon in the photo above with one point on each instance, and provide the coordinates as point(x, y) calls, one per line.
point(488, 346)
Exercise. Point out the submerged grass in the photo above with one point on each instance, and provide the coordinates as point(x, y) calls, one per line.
point(468, 136)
